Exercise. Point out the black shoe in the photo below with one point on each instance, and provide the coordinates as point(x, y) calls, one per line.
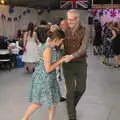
point(72, 119)
point(116, 66)
point(62, 99)
point(33, 69)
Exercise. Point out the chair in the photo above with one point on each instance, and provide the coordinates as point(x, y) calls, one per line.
point(5, 59)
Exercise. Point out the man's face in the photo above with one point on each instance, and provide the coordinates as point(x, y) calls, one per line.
point(72, 19)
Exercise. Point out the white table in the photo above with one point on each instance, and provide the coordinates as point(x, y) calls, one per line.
point(4, 51)
point(5, 61)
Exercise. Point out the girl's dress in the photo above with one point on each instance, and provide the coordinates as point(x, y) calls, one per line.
point(107, 44)
point(44, 89)
point(31, 54)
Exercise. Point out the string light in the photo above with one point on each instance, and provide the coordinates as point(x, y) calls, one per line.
point(2, 2)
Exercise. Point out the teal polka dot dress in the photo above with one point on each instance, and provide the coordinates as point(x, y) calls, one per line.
point(44, 87)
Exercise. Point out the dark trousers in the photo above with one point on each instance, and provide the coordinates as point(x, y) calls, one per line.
point(14, 59)
point(75, 77)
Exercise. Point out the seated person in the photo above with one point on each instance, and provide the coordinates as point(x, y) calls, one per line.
point(3, 43)
point(14, 50)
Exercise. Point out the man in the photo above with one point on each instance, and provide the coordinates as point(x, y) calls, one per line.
point(64, 25)
point(75, 68)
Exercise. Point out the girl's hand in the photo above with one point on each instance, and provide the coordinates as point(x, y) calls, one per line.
point(67, 58)
point(63, 59)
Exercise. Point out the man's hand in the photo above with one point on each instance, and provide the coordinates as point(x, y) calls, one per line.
point(68, 58)
point(24, 49)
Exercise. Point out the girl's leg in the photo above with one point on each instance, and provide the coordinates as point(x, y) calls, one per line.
point(51, 112)
point(116, 60)
point(104, 59)
point(31, 109)
point(26, 66)
point(119, 59)
point(31, 67)
point(95, 51)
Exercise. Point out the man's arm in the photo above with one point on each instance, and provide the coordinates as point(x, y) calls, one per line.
point(82, 50)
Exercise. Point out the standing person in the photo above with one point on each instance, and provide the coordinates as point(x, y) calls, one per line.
point(31, 43)
point(116, 44)
point(107, 44)
point(97, 42)
point(45, 89)
point(75, 71)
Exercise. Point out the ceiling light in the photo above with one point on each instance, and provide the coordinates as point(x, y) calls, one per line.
point(2, 2)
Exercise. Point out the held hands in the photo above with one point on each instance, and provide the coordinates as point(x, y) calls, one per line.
point(67, 58)
point(24, 49)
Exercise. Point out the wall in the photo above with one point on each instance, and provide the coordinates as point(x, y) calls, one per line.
point(106, 17)
point(51, 16)
point(8, 28)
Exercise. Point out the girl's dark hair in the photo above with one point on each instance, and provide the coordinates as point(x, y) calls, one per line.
point(56, 34)
point(43, 22)
point(31, 28)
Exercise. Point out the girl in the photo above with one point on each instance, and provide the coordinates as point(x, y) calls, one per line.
point(45, 89)
point(30, 56)
point(107, 44)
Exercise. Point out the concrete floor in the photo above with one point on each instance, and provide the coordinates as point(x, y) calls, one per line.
point(100, 102)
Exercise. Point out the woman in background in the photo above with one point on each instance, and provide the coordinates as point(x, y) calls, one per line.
point(116, 44)
point(98, 39)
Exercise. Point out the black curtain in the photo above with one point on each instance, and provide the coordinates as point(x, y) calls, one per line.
point(3, 43)
point(102, 1)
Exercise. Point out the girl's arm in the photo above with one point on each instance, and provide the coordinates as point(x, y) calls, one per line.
point(36, 39)
point(113, 35)
point(47, 61)
point(25, 39)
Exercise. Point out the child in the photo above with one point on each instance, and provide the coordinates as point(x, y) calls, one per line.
point(30, 55)
point(45, 89)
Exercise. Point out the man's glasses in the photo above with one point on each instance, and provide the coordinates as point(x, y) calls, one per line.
point(74, 19)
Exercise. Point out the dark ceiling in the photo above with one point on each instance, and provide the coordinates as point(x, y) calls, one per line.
point(38, 4)
point(52, 4)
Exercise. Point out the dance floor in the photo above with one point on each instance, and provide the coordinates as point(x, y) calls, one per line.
point(100, 102)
